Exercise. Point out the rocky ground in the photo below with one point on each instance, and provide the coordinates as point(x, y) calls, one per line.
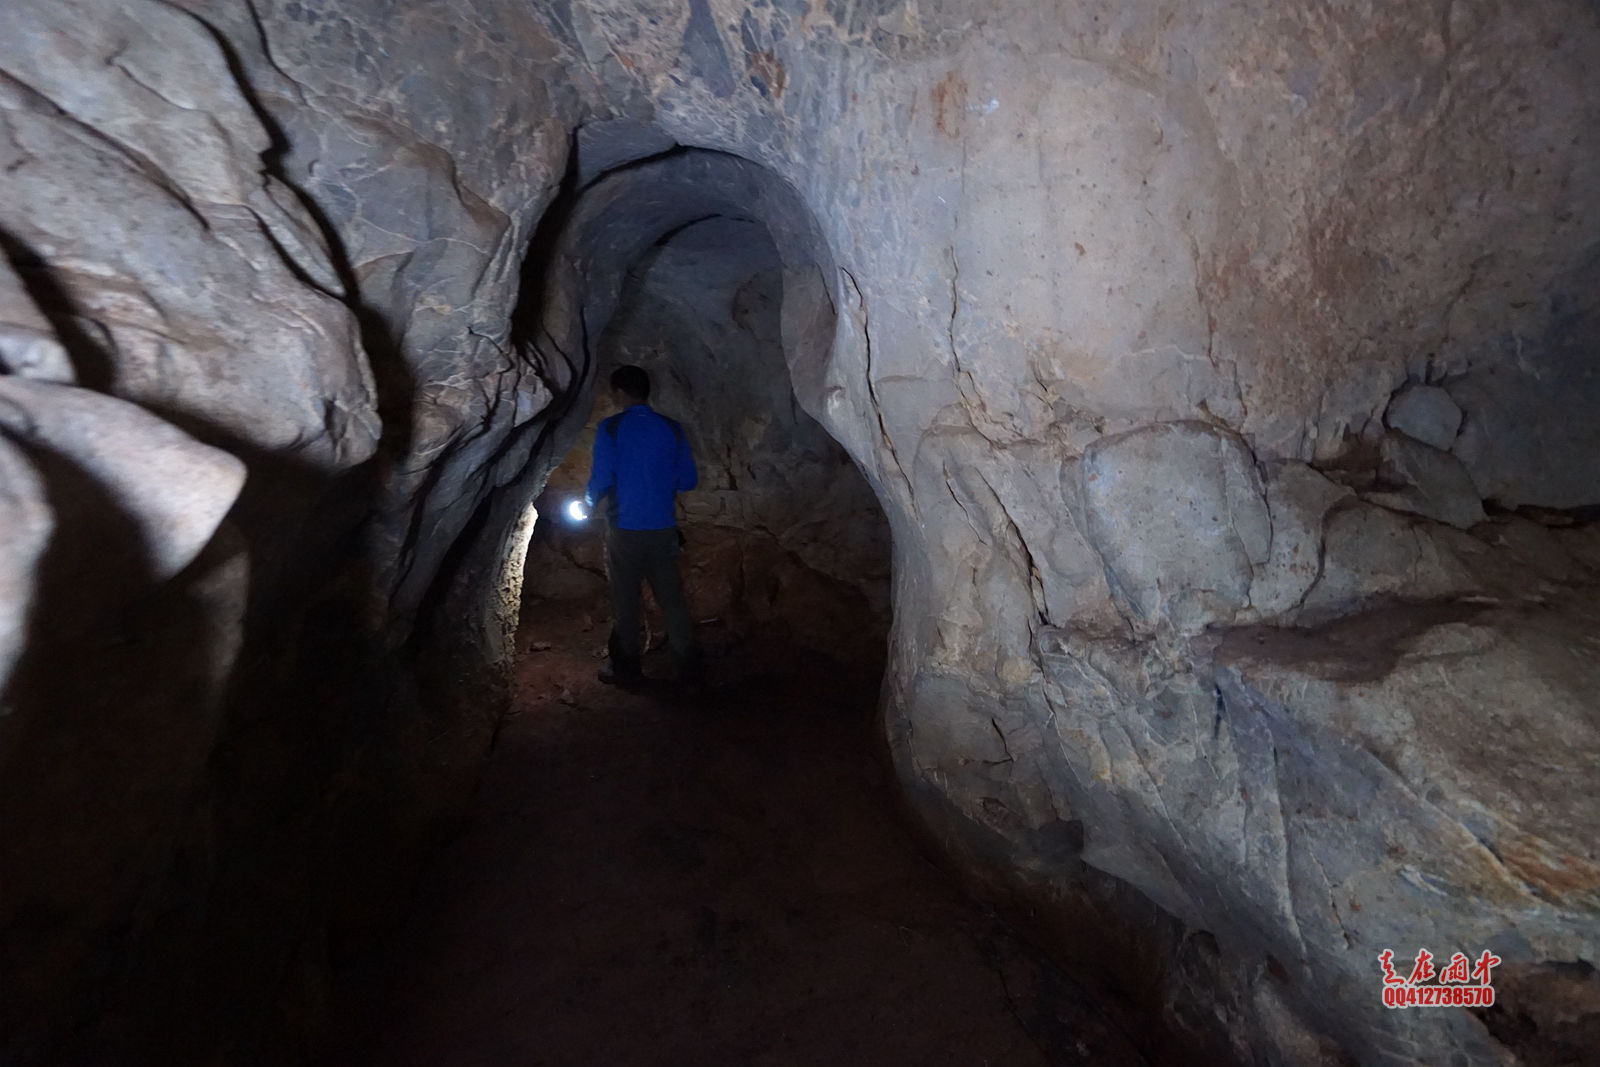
point(645, 878)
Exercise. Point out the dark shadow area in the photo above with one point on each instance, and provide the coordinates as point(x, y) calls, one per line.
point(95, 769)
point(783, 537)
point(647, 879)
point(169, 914)
point(659, 876)
point(91, 363)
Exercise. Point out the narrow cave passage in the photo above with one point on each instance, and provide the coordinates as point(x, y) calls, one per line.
point(1227, 376)
point(784, 538)
point(658, 877)
point(642, 882)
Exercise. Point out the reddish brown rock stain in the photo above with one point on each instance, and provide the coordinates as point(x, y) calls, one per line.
point(949, 97)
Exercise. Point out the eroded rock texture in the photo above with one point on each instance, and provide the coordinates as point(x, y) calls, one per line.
point(221, 732)
point(783, 537)
point(1201, 357)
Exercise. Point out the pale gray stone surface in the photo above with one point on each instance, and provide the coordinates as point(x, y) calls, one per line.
point(124, 119)
point(1104, 279)
point(1177, 512)
point(1413, 764)
point(1297, 500)
point(175, 489)
point(1426, 413)
point(1533, 546)
point(1433, 483)
point(1370, 552)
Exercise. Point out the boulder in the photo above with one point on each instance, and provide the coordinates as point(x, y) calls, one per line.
point(1434, 484)
point(1371, 552)
point(1297, 499)
point(1178, 514)
point(1426, 413)
point(1422, 764)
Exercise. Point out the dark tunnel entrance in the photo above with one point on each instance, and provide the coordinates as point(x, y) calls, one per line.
point(657, 874)
point(784, 541)
point(708, 271)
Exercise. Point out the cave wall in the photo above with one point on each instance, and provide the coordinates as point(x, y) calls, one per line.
point(261, 401)
point(784, 538)
point(1135, 309)
point(1178, 342)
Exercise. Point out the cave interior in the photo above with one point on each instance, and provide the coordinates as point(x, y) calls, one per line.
point(1146, 546)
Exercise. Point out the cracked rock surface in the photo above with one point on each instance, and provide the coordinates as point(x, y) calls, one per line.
point(1225, 374)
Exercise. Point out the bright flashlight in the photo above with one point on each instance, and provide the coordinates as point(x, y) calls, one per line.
point(576, 511)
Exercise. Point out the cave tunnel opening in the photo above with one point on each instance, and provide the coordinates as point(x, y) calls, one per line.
point(1227, 384)
point(784, 542)
point(709, 272)
point(706, 875)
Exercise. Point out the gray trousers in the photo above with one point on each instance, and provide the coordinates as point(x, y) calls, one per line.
point(633, 556)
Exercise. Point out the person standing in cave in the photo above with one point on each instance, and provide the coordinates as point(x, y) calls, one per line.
point(641, 462)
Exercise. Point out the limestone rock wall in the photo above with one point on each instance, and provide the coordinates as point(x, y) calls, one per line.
point(1133, 305)
point(783, 535)
point(260, 399)
point(1125, 298)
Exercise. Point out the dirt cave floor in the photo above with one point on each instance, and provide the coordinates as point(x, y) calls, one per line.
point(653, 879)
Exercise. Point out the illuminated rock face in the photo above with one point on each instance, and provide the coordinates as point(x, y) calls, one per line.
point(1043, 268)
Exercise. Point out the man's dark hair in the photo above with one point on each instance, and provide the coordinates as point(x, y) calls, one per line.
point(632, 382)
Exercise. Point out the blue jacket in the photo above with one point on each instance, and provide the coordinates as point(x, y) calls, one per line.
point(643, 457)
